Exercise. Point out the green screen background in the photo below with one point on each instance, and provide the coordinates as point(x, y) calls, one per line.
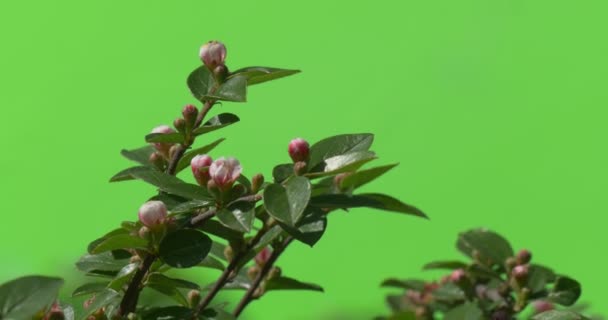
point(495, 110)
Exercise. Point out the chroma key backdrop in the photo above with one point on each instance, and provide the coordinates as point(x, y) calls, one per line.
point(496, 111)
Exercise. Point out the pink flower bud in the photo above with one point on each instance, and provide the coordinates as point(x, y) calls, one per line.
point(457, 275)
point(152, 213)
point(299, 150)
point(520, 272)
point(542, 306)
point(190, 113)
point(524, 257)
point(180, 124)
point(213, 53)
point(225, 171)
point(200, 168)
point(163, 147)
point(262, 257)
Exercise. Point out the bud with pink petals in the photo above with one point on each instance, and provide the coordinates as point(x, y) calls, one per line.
point(190, 113)
point(213, 54)
point(457, 275)
point(542, 306)
point(162, 147)
point(224, 172)
point(524, 257)
point(152, 213)
point(180, 124)
point(200, 168)
point(262, 257)
point(299, 150)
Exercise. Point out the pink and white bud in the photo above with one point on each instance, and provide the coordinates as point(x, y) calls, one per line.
point(524, 257)
point(262, 257)
point(160, 146)
point(520, 272)
point(457, 275)
point(152, 213)
point(190, 113)
point(299, 150)
point(225, 171)
point(200, 168)
point(542, 306)
point(213, 54)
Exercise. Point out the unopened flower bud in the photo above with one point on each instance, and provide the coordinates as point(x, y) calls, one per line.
point(157, 160)
point(221, 73)
point(520, 273)
point(200, 168)
point(275, 272)
point(179, 124)
point(135, 259)
point(224, 172)
point(339, 178)
point(256, 183)
point(162, 147)
point(194, 297)
point(524, 257)
point(190, 113)
point(542, 306)
point(299, 150)
point(144, 232)
point(458, 275)
point(262, 257)
point(253, 272)
point(152, 213)
point(213, 53)
point(173, 150)
point(299, 168)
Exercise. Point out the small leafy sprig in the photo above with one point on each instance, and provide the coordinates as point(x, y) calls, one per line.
point(227, 221)
point(496, 284)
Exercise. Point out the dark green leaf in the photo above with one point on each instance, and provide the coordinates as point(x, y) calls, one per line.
point(184, 162)
point(255, 75)
point(167, 183)
point(204, 87)
point(338, 145)
point(104, 298)
point(218, 229)
point(449, 265)
point(287, 203)
point(449, 293)
point(24, 297)
point(285, 283)
point(559, 315)
point(139, 155)
point(217, 250)
point(282, 172)
point(412, 284)
point(220, 121)
point(468, 311)
point(120, 241)
point(234, 89)
point(211, 262)
point(191, 205)
point(101, 262)
point(174, 137)
point(178, 283)
point(184, 248)
point(168, 313)
point(493, 249)
point(342, 163)
point(123, 277)
point(538, 278)
point(90, 288)
point(310, 229)
point(360, 178)
point(371, 200)
point(238, 216)
point(112, 233)
point(566, 291)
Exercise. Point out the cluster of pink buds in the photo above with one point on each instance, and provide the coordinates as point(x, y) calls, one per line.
point(162, 147)
point(213, 55)
point(152, 214)
point(522, 268)
point(218, 176)
point(200, 169)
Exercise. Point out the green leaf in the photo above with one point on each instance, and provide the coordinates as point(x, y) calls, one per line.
point(190, 206)
point(104, 298)
point(287, 203)
point(285, 283)
point(282, 172)
point(168, 313)
point(342, 163)
point(90, 288)
point(184, 248)
point(448, 265)
point(220, 121)
point(217, 229)
point(174, 137)
point(216, 314)
point(184, 162)
point(100, 262)
point(310, 229)
point(112, 233)
point(123, 277)
point(566, 291)
point(360, 178)
point(211, 262)
point(170, 287)
point(238, 216)
point(538, 278)
point(493, 249)
point(339, 145)
point(120, 241)
point(139, 155)
point(166, 183)
point(412, 284)
point(24, 297)
point(204, 87)
point(468, 311)
point(371, 200)
point(559, 315)
point(403, 315)
point(449, 293)
point(255, 75)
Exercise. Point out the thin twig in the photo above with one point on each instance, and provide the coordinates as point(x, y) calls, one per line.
point(249, 296)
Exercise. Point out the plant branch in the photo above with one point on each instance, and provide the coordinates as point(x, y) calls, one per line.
point(250, 295)
point(230, 269)
point(129, 301)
